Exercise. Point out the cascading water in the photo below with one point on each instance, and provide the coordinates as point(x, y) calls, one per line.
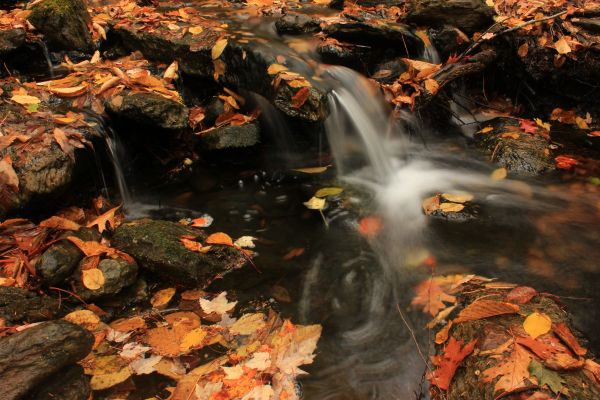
point(116, 150)
point(46, 54)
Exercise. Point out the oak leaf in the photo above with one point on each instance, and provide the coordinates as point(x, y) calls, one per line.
point(107, 219)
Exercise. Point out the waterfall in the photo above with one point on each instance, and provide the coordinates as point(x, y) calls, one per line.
point(46, 54)
point(116, 152)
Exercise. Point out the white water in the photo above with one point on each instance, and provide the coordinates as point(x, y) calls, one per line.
point(115, 148)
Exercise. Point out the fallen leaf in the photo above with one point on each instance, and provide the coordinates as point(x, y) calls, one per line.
point(523, 50)
point(499, 174)
point(171, 71)
point(56, 222)
point(220, 238)
point(311, 170)
point(296, 252)
point(300, 97)
point(219, 305)
point(218, 48)
point(162, 298)
point(564, 333)
point(546, 377)
point(512, 370)
point(448, 362)
point(107, 219)
point(537, 324)
point(432, 86)
point(143, 366)
point(451, 207)
point(274, 69)
point(25, 99)
point(315, 203)
point(521, 295)
point(481, 309)
point(105, 381)
point(328, 191)
point(248, 324)
point(431, 204)
point(565, 162)
point(84, 318)
point(92, 279)
point(74, 91)
point(562, 46)
point(245, 242)
point(431, 297)
point(195, 30)
point(192, 245)
point(458, 197)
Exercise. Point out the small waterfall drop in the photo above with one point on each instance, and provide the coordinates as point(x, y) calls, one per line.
point(46, 54)
point(116, 153)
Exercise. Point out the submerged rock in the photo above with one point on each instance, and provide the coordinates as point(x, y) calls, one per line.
point(230, 137)
point(29, 357)
point(60, 259)
point(467, 15)
point(157, 247)
point(64, 24)
point(514, 149)
point(21, 305)
point(118, 274)
point(68, 384)
point(150, 109)
point(296, 24)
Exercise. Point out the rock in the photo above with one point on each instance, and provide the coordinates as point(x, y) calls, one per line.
point(156, 246)
point(60, 259)
point(118, 274)
point(10, 40)
point(297, 24)
point(349, 55)
point(64, 24)
point(129, 296)
point(150, 109)
point(230, 137)
point(467, 15)
point(527, 154)
point(29, 357)
point(388, 36)
point(448, 40)
point(21, 305)
point(213, 109)
point(388, 72)
point(68, 384)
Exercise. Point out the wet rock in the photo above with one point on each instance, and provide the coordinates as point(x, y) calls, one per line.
point(388, 72)
point(150, 109)
point(129, 296)
point(214, 108)
point(118, 274)
point(21, 305)
point(230, 137)
point(396, 36)
point(29, 357)
point(60, 260)
point(10, 40)
point(349, 55)
point(467, 15)
point(448, 40)
point(64, 24)
point(68, 384)
point(156, 246)
point(297, 24)
point(522, 153)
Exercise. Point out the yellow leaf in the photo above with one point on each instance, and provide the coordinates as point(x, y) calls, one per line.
point(84, 318)
point(458, 197)
point(499, 174)
point(298, 83)
point(162, 298)
point(451, 207)
point(311, 170)
point(193, 339)
point(195, 30)
point(432, 86)
point(562, 46)
point(25, 99)
point(537, 324)
point(315, 203)
point(542, 124)
point(248, 324)
point(92, 279)
point(581, 123)
point(328, 191)
point(218, 48)
point(274, 69)
point(171, 71)
point(105, 381)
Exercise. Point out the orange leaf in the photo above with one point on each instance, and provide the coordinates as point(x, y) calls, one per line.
point(512, 371)
point(369, 226)
point(63, 142)
point(300, 97)
point(220, 238)
point(565, 162)
point(564, 333)
point(431, 297)
point(60, 223)
point(448, 363)
point(193, 245)
point(92, 248)
point(480, 309)
point(108, 218)
point(8, 176)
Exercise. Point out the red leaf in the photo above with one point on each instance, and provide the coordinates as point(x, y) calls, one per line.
point(528, 126)
point(565, 162)
point(300, 97)
point(565, 334)
point(448, 363)
point(521, 295)
point(369, 226)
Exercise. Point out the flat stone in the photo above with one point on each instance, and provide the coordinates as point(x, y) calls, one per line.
point(467, 15)
point(230, 137)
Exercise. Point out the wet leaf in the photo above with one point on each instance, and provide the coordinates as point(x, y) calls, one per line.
point(431, 297)
point(218, 48)
point(370, 226)
point(192, 245)
point(192, 340)
point(296, 252)
point(451, 207)
point(63, 142)
point(431, 204)
point(315, 203)
point(564, 333)
point(219, 305)
point(145, 366)
point(458, 197)
point(195, 30)
point(565, 162)
point(546, 377)
point(432, 86)
point(499, 174)
point(448, 362)
point(128, 324)
point(60, 223)
point(84, 318)
point(245, 242)
point(220, 238)
point(162, 298)
point(25, 99)
point(105, 381)
point(328, 191)
point(74, 91)
point(312, 170)
point(108, 219)
point(248, 324)
point(300, 97)
point(481, 309)
point(537, 324)
point(523, 50)
point(171, 71)
point(92, 279)
point(274, 69)
point(562, 46)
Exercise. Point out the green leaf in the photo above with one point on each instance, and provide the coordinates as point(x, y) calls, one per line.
point(546, 377)
point(31, 108)
point(328, 191)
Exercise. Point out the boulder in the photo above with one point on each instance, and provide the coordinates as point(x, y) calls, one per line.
point(20, 305)
point(68, 384)
point(157, 247)
point(230, 137)
point(297, 24)
point(448, 40)
point(150, 109)
point(29, 357)
point(467, 15)
point(64, 24)
point(512, 148)
point(118, 274)
point(10, 40)
point(60, 259)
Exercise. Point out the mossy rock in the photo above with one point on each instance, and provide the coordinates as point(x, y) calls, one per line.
point(150, 109)
point(64, 24)
point(156, 246)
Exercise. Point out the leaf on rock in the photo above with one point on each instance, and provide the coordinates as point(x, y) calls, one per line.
point(220, 238)
point(537, 324)
point(218, 48)
point(63, 141)
point(300, 97)
point(546, 377)
point(562, 46)
point(84, 318)
point(8, 176)
point(192, 245)
point(481, 309)
point(499, 174)
point(564, 333)
point(451, 207)
point(248, 324)
point(461, 197)
point(203, 222)
point(274, 69)
point(245, 242)
point(92, 279)
point(108, 219)
point(25, 99)
point(512, 371)
point(448, 362)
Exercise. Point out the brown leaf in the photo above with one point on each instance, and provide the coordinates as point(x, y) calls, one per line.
point(108, 218)
point(92, 279)
point(60, 223)
point(521, 295)
point(8, 176)
point(480, 309)
point(564, 333)
point(63, 142)
point(512, 370)
point(448, 363)
point(300, 97)
point(162, 298)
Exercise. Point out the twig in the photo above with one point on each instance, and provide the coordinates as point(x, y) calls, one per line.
point(69, 293)
point(533, 21)
point(414, 338)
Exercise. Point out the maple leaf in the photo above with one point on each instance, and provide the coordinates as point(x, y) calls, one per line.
point(448, 363)
point(431, 297)
point(512, 371)
point(218, 305)
point(565, 162)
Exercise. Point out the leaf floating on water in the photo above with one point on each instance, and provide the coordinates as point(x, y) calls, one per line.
point(315, 203)
point(328, 191)
point(481, 309)
point(92, 279)
point(451, 207)
point(462, 197)
point(448, 363)
point(220, 238)
point(499, 174)
point(218, 48)
point(537, 324)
